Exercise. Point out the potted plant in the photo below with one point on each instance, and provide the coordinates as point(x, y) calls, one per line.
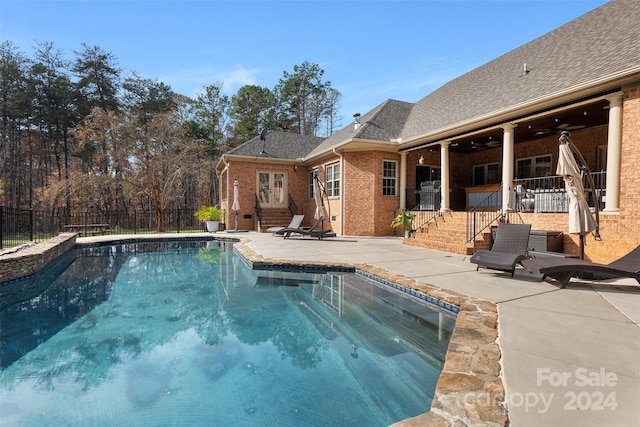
point(211, 215)
point(404, 219)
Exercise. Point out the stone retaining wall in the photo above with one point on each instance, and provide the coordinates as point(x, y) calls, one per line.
point(31, 258)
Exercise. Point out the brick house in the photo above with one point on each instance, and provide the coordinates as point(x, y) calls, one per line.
point(484, 146)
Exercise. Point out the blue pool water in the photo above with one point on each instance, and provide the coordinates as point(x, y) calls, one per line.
point(185, 334)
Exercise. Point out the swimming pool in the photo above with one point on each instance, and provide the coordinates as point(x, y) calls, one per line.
point(184, 333)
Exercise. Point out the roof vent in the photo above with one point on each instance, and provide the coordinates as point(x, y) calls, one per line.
point(356, 117)
point(525, 70)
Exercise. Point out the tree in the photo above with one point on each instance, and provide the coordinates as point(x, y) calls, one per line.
point(210, 117)
point(98, 80)
point(303, 99)
point(332, 110)
point(53, 111)
point(163, 164)
point(14, 111)
point(252, 109)
point(145, 97)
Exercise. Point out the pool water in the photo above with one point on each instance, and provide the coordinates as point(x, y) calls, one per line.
point(184, 333)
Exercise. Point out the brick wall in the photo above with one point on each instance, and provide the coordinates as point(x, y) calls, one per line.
point(33, 258)
point(366, 211)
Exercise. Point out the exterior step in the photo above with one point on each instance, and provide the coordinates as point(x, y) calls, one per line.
point(448, 233)
point(274, 218)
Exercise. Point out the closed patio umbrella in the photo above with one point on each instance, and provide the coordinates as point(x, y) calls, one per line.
point(581, 220)
point(317, 196)
point(236, 202)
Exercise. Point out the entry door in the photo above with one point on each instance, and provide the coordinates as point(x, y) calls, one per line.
point(272, 189)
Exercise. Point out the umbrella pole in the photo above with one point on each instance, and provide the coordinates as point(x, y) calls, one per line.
point(236, 220)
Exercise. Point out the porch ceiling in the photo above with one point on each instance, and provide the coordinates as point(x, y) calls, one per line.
point(571, 119)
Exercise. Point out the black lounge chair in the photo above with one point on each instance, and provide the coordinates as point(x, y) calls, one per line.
point(308, 231)
point(563, 269)
point(509, 248)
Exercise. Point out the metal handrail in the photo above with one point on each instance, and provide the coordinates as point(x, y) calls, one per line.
point(481, 216)
point(258, 210)
point(293, 208)
point(425, 216)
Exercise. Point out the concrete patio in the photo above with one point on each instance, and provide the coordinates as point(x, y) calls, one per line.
point(569, 356)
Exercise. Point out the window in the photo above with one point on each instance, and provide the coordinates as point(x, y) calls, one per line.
point(531, 167)
point(488, 173)
point(389, 177)
point(313, 174)
point(333, 179)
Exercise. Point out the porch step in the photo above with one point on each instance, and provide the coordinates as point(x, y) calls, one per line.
point(274, 218)
point(448, 233)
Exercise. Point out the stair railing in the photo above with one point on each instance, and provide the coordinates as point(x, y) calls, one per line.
point(258, 210)
point(425, 217)
point(293, 208)
point(483, 215)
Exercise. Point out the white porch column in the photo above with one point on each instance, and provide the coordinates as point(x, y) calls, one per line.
point(403, 180)
point(445, 184)
point(507, 166)
point(614, 153)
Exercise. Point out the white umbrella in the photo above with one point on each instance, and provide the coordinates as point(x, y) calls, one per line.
point(317, 196)
point(236, 203)
point(581, 220)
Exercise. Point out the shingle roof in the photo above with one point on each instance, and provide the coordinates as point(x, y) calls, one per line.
point(280, 145)
point(602, 43)
point(597, 46)
point(383, 123)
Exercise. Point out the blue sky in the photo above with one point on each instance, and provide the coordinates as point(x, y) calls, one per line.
point(370, 50)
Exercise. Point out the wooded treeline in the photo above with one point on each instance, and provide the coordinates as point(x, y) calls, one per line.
point(78, 135)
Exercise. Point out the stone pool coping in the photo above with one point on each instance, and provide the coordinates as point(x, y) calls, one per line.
point(469, 391)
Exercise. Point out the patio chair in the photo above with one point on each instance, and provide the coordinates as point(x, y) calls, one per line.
point(309, 231)
point(509, 248)
point(563, 269)
point(295, 223)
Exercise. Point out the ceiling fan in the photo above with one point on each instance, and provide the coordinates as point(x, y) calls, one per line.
point(559, 128)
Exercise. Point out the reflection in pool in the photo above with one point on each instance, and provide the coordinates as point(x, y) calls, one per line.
point(184, 333)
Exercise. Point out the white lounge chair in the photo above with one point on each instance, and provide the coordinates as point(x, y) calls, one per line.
point(296, 221)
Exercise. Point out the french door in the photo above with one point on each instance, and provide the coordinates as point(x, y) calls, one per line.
point(272, 189)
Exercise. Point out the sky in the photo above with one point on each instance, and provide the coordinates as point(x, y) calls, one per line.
point(370, 51)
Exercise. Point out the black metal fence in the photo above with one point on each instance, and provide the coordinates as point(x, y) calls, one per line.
point(19, 226)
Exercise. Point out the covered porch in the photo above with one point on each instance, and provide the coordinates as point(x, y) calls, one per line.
point(507, 172)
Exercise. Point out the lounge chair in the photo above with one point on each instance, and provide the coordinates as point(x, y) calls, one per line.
point(295, 223)
point(313, 231)
point(509, 248)
point(563, 269)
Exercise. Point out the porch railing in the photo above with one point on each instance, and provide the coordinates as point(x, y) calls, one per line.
point(548, 194)
point(539, 195)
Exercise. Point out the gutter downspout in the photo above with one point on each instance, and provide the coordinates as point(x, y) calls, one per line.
point(341, 224)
